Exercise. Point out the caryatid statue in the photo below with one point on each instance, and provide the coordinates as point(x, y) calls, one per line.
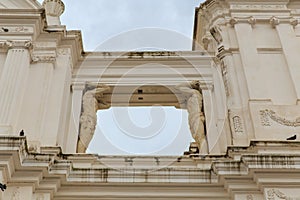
point(91, 102)
point(193, 102)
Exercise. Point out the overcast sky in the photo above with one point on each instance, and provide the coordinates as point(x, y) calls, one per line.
point(132, 25)
point(102, 20)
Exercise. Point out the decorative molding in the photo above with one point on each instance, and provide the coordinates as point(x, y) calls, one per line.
point(78, 86)
point(206, 40)
point(294, 22)
point(272, 193)
point(265, 115)
point(45, 57)
point(216, 33)
point(257, 7)
point(274, 21)
point(225, 78)
point(16, 44)
point(16, 29)
point(45, 45)
point(54, 7)
point(63, 51)
point(233, 21)
point(16, 194)
point(264, 118)
point(249, 197)
point(237, 124)
point(3, 44)
point(40, 197)
point(252, 21)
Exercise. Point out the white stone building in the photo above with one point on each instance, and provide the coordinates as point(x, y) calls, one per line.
point(246, 80)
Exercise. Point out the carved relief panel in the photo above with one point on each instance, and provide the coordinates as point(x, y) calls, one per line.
point(282, 193)
point(276, 122)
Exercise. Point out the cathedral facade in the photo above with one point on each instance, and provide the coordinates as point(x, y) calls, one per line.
point(240, 86)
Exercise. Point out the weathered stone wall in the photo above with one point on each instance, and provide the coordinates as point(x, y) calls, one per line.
point(256, 44)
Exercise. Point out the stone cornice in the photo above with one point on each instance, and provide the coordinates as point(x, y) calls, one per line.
point(55, 171)
point(248, 158)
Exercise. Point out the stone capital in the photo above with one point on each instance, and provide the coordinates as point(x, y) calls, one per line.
point(274, 21)
point(294, 22)
point(54, 8)
point(78, 86)
point(234, 20)
point(18, 44)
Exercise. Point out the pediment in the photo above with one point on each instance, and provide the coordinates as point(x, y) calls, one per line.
point(19, 4)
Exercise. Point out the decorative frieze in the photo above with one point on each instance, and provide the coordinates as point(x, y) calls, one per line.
point(266, 115)
point(274, 21)
point(16, 29)
point(257, 7)
point(46, 57)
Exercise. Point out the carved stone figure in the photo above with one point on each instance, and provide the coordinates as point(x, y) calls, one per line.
point(194, 103)
point(91, 102)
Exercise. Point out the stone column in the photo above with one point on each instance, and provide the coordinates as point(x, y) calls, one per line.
point(12, 81)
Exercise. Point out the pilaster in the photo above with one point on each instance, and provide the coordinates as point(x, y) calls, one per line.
point(55, 123)
point(291, 46)
point(77, 92)
point(12, 81)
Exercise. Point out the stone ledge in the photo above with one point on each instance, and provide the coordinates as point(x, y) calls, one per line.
point(188, 168)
